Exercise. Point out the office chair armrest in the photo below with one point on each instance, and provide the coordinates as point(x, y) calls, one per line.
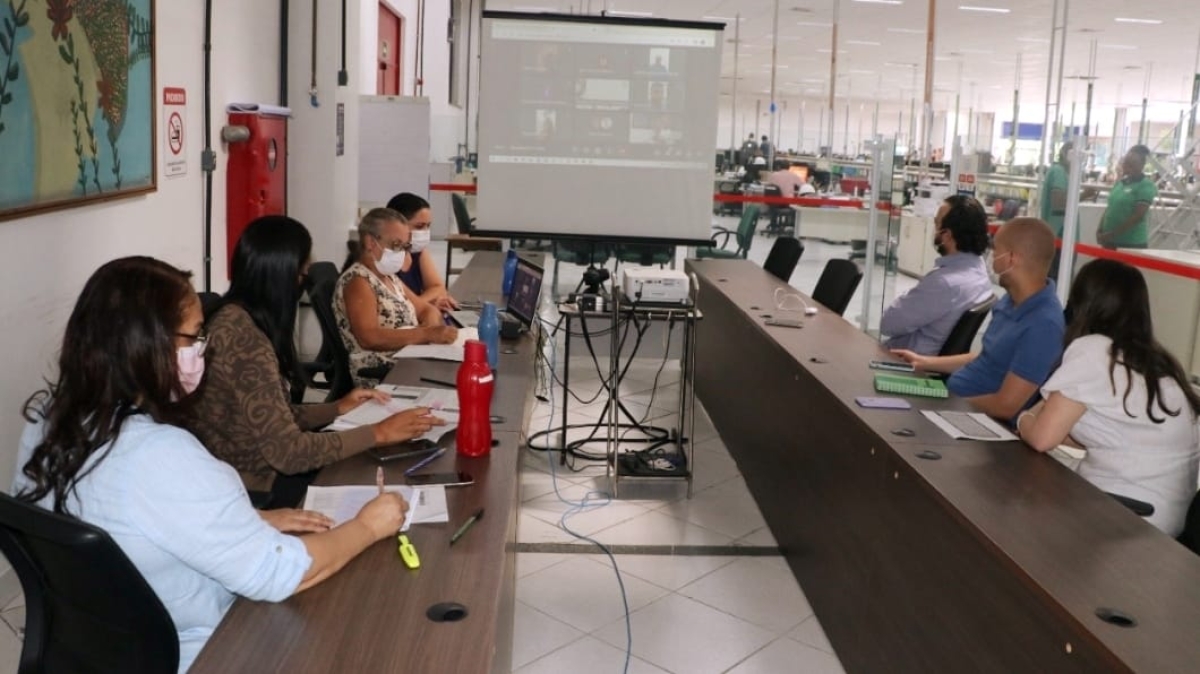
point(1139, 508)
point(724, 234)
point(376, 372)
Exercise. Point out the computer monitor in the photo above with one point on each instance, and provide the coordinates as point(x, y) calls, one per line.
point(526, 292)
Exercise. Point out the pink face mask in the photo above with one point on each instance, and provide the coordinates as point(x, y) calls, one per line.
point(191, 365)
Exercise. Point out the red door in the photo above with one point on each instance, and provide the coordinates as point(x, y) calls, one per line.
point(391, 27)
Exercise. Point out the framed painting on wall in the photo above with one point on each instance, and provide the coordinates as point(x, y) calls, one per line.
point(77, 122)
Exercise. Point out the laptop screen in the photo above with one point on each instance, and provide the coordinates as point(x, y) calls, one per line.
point(526, 292)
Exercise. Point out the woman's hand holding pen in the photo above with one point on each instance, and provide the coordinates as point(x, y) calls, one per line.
point(359, 396)
point(384, 514)
point(406, 425)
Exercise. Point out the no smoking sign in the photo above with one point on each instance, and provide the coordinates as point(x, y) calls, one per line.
point(174, 110)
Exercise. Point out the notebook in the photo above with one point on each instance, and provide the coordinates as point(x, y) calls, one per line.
point(910, 386)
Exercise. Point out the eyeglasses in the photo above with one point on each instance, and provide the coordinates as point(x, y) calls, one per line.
point(395, 246)
point(201, 337)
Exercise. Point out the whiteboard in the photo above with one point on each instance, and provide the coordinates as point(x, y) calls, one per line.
point(393, 148)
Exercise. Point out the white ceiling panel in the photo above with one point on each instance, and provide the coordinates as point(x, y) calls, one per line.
point(876, 40)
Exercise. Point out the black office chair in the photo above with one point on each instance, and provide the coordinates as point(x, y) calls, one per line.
point(87, 608)
point(837, 284)
point(463, 239)
point(729, 188)
point(645, 254)
point(963, 333)
point(208, 302)
point(319, 273)
point(781, 217)
point(1191, 526)
point(320, 292)
point(784, 256)
point(1189, 537)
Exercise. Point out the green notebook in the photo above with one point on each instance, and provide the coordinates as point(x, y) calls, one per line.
point(910, 386)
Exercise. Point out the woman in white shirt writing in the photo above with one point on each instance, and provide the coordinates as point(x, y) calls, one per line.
point(1121, 396)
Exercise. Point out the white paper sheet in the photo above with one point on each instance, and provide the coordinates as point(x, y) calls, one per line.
point(453, 351)
point(426, 505)
point(969, 426)
point(443, 402)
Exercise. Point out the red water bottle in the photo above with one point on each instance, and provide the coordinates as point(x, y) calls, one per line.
point(475, 383)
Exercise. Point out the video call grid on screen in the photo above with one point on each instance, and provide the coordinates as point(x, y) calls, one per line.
point(610, 108)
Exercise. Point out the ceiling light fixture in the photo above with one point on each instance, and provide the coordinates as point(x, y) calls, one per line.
point(1034, 40)
point(910, 31)
point(976, 8)
point(814, 24)
point(631, 15)
point(1121, 47)
point(1151, 22)
point(722, 18)
point(865, 43)
point(881, 2)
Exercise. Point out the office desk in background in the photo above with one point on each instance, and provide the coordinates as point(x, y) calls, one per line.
point(992, 558)
point(370, 616)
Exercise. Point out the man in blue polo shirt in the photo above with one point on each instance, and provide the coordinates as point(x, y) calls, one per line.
point(1023, 343)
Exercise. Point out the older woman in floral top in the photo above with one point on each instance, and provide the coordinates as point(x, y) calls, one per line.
point(376, 313)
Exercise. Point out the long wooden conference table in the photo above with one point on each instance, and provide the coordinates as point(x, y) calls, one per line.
point(371, 616)
point(981, 557)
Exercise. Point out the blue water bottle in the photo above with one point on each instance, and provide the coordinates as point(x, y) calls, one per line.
point(510, 271)
point(489, 332)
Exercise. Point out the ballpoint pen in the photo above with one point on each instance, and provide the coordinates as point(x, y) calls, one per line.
point(424, 462)
point(466, 525)
point(379, 479)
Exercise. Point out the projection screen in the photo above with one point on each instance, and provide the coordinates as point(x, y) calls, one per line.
point(597, 128)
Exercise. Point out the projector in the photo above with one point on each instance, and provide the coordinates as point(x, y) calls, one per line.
point(647, 284)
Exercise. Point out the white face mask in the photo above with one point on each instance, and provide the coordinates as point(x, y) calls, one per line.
point(391, 262)
point(420, 239)
point(190, 360)
point(994, 275)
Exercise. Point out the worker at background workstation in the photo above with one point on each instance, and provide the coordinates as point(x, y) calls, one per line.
point(1024, 341)
point(1054, 198)
point(419, 273)
point(749, 147)
point(921, 319)
point(787, 182)
point(1123, 224)
point(765, 147)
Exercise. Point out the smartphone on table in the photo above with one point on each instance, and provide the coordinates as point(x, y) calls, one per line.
point(890, 366)
point(458, 479)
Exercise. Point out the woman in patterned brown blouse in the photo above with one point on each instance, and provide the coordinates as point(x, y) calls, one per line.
point(243, 413)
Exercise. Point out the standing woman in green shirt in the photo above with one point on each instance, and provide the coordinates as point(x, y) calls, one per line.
point(1123, 224)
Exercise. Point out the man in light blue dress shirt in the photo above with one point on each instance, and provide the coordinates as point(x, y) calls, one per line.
point(921, 319)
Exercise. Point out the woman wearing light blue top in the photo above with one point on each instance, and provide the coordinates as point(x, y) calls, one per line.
point(102, 445)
